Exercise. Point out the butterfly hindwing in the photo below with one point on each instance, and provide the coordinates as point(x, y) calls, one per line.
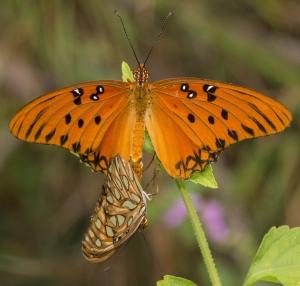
point(120, 211)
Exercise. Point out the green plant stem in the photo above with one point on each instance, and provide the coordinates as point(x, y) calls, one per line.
point(202, 242)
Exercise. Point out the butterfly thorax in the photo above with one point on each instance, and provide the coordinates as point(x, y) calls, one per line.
point(141, 75)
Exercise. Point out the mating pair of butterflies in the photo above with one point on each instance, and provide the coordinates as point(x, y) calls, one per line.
point(190, 121)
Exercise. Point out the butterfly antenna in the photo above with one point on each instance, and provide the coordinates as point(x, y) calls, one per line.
point(151, 255)
point(116, 12)
point(164, 23)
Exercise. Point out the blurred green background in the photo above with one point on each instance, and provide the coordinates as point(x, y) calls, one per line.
point(47, 196)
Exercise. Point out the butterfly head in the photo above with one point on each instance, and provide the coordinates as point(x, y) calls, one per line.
point(141, 75)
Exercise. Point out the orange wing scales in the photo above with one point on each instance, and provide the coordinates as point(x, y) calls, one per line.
point(190, 121)
point(212, 115)
point(120, 211)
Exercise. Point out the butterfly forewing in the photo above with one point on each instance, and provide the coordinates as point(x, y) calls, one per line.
point(76, 117)
point(120, 211)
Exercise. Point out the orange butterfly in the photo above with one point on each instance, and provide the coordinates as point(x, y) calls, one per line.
point(190, 121)
point(120, 211)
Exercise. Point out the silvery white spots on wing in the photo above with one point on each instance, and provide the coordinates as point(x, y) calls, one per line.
point(100, 89)
point(129, 222)
point(118, 183)
point(117, 165)
point(130, 172)
point(192, 94)
point(113, 220)
point(98, 242)
point(94, 97)
point(117, 194)
point(184, 87)
point(129, 204)
point(78, 91)
point(125, 182)
point(109, 199)
point(87, 238)
point(98, 223)
point(136, 198)
point(91, 233)
point(109, 231)
point(121, 219)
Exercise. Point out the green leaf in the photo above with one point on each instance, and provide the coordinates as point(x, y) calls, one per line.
point(126, 72)
point(148, 146)
point(205, 178)
point(175, 281)
point(278, 258)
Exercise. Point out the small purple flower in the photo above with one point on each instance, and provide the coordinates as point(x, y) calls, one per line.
point(211, 214)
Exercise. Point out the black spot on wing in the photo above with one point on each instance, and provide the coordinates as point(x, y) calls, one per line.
point(259, 125)
point(100, 89)
point(97, 119)
point(68, 118)
point(184, 87)
point(211, 97)
point(233, 134)
point(248, 129)
point(77, 92)
point(34, 122)
point(50, 135)
point(88, 151)
point(76, 147)
point(224, 114)
point(209, 88)
point(80, 123)
point(38, 133)
point(94, 97)
point(263, 115)
point(211, 120)
point(77, 100)
point(220, 143)
point(191, 118)
point(20, 127)
point(206, 147)
point(64, 139)
point(191, 94)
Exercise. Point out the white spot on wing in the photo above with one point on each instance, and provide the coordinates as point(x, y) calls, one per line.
point(91, 233)
point(98, 223)
point(98, 243)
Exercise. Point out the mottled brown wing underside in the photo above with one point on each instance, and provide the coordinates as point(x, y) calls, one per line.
point(120, 211)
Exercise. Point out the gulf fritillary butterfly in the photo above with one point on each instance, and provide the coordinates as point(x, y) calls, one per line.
point(120, 211)
point(190, 121)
